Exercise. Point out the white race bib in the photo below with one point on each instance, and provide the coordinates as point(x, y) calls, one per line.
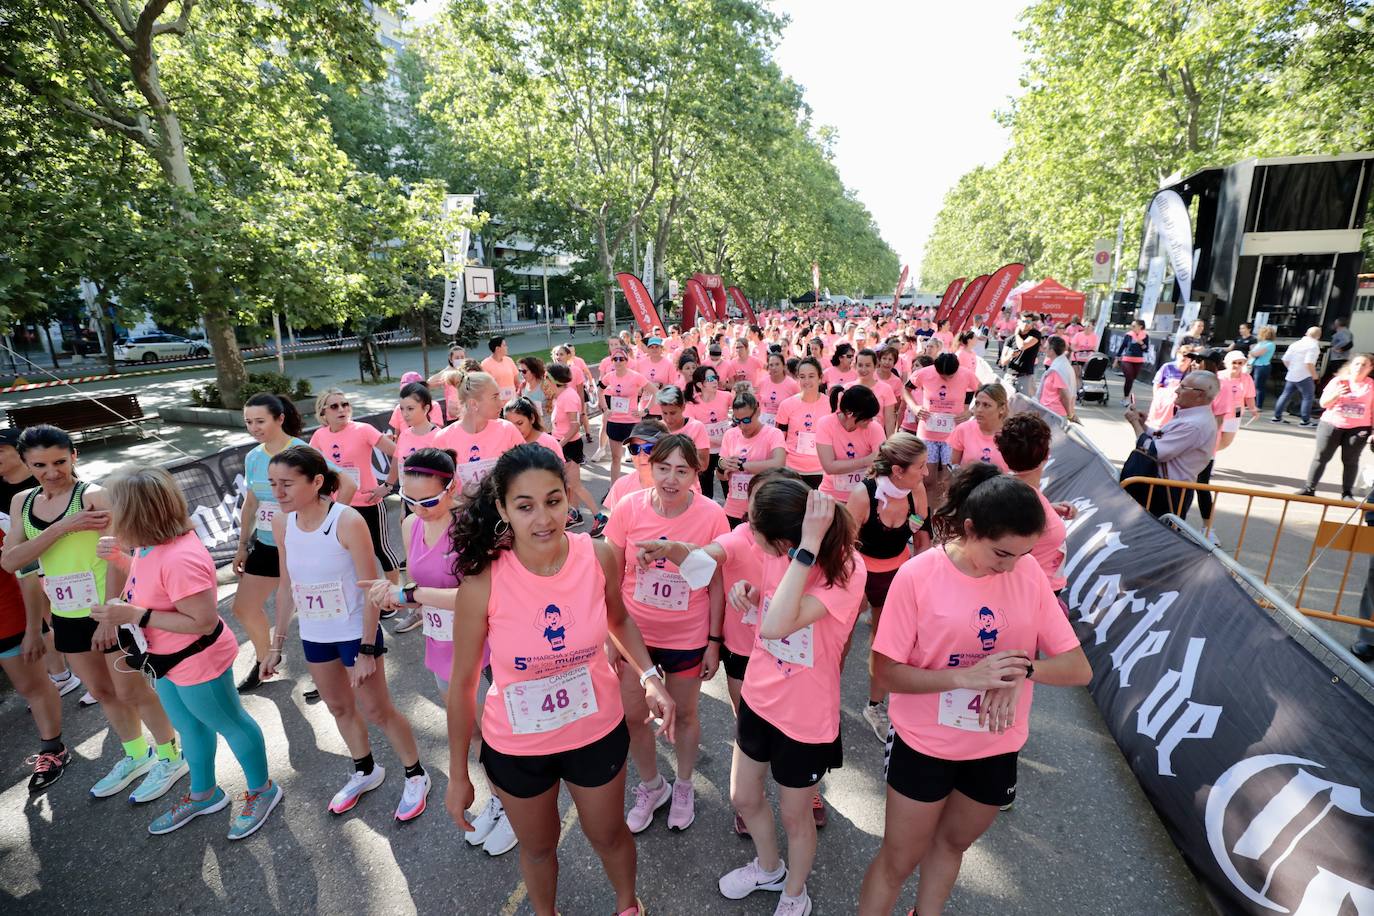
point(438, 623)
point(796, 649)
point(471, 473)
point(352, 474)
point(959, 709)
point(940, 422)
point(320, 601)
point(550, 703)
point(1230, 424)
point(806, 443)
point(661, 588)
point(620, 405)
point(768, 419)
point(266, 512)
point(739, 485)
point(910, 418)
point(716, 431)
point(506, 395)
point(846, 482)
point(71, 592)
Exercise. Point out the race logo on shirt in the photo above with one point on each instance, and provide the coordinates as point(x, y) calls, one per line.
point(554, 624)
point(987, 453)
point(987, 622)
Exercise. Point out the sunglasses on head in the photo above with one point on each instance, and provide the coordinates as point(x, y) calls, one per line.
point(640, 448)
point(429, 503)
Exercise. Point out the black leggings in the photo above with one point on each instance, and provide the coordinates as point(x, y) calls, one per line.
point(1350, 442)
point(1130, 370)
point(1204, 497)
point(708, 477)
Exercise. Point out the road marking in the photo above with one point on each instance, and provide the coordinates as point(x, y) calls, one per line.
point(518, 895)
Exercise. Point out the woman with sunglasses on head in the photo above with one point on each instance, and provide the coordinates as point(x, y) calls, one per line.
point(481, 436)
point(957, 650)
point(798, 419)
point(276, 425)
point(841, 370)
point(639, 446)
point(749, 448)
point(680, 624)
point(620, 396)
point(532, 370)
point(774, 387)
point(326, 562)
point(975, 439)
point(808, 598)
point(709, 405)
point(565, 406)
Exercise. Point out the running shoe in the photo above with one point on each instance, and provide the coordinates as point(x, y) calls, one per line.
point(388, 613)
point(187, 808)
point(743, 881)
point(252, 680)
point(160, 779)
point(256, 807)
point(501, 840)
point(483, 823)
point(574, 517)
point(636, 910)
point(312, 692)
point(741, 828)
point(360, 782)
point(65, 684)
point(87, 699)
point(794, 906)
point(876, 716)
point(818, 810)
point(647, 800)
point(122, 773)
point(1008, 806)
point(601, 522)
point(48, 767)
point(410, 621)
point(413, 798)
point(683, 809)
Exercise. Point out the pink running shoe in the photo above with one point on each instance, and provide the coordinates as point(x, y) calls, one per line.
point(683, 810)
point(648, 799)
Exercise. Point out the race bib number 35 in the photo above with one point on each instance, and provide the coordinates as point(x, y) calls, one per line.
point(266, 512)
point(550, 703)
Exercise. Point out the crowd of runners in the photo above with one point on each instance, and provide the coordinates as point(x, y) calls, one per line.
point(770, 484)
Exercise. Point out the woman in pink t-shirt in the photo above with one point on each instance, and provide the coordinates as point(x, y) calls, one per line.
point(944, 390)
point(841, 370)
point(673, 404)
point(975, 438)
point(457, 358)
point(808, 598)
point(419, 432)
point(620, 390)
point(847, 440)
point(1348, 406)
point(709, 405)
point(546, 602)
point(798, 418)
point(676, 619)
point(957, 649)
point(773, 388)
point(564, 441)
point(641, 477)
point(170, 602)
point(481, 436)
point(749, 448)
point(1024, 442)
point(867, 365)
point(888, 360)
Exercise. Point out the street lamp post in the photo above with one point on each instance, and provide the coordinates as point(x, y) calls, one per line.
point(548, 318)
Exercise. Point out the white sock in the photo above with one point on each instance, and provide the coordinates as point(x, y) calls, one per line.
point(656, 784)
point(61, 678)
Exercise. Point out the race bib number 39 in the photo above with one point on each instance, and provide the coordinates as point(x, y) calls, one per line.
point(661, 588)
point(72, 592)
point(320, 601)
point(959, 708)
point(550, 703)
point(438, 623)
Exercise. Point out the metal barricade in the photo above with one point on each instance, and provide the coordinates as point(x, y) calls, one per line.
point(1346, 534)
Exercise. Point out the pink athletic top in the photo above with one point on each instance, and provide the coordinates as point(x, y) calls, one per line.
point(550, 443)
point(477, 453)
point(714, 415)
point(567, 408)
point(1084, 344)
point(624, 485)
point(160, 577)
point(553, 688)
point(351, 449)
point(1049, 393)
point(1349, 411)
point(505, 373)
point(802, 420)
point(771, 394)
point(864, 440)
point(1242, 389)
point(432, 567)
point(1049, 550)
point(969, 439)
point(794, 682)
point(408, 442)
point(885, 394)
point(669, 613)
point(967, 360)
point(938, 617)
point(945, 396)
point(833, 376)
point(743, 562)
point(622, 395)
point(436, 416)
point(737, 445)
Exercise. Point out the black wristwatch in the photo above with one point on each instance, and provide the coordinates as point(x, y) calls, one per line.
point(147, 615)
point(1030, 669)
point(372, 649)
point(408, 593)
point(802, 556)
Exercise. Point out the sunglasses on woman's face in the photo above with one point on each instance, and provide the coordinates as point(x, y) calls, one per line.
point(743, 421)
point(640, 448)
point(422, 503)
point(341, 405)
point(710, 378)
point(619, 359)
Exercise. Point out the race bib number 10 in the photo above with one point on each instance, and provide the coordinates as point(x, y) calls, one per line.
point(661, 588)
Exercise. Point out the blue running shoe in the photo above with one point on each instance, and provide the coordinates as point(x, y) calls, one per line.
point(122, 773)
point(185, 809)
point(256, 807)
point(160, 779)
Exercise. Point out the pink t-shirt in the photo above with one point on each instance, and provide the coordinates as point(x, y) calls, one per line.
point(794, 682)
point(863, 440)
point(833, 376)
point(1162, 403)
point(504, 371)
point(771, 394)
point(802, 420)
point(1049, 393)
point(160, 577)
point(477, 452)
point(743, 562)
point(1242, 389)
point(968, 360)
point(738, 445)
point(622, 395)
point(1349, 411)
point(550, 443)
point(975, 445)
point(567, 408)
point(887, 397)
point(659, 373)
point(581, 373)
point(739, 370)
point(351, 449)
point(409, 441)
point(553, 688)
point(1049, 550)
point(1084, 344)
point(436, 415)
point(669, 613)
point(714, 415)
point(694, 430)
point(624, 485)
point(938, 617)
point(943, 396)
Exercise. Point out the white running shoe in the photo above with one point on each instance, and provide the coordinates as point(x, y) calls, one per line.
point(160, 778)
point(65, 685)
point(501, 840)
point(88, 700)
point(876, 716)
point(794, 906)
point(648, 799)
point(344, 800)
point(483, 823)
point(413, 798)
point(743, 881)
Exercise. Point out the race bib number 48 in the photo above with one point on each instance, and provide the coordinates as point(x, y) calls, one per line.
point(550, 703)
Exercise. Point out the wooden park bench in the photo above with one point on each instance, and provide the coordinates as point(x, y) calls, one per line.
point(105, 413)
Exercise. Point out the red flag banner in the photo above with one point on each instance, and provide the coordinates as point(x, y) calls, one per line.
point(641, 303)
point(715, 289)
point(901, 284)
point(742, 303)
point(993, 294)
point(950, 297)
point(966, 299)
point(694, 300)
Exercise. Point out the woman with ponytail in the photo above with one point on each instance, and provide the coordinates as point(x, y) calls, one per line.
point(961, 692)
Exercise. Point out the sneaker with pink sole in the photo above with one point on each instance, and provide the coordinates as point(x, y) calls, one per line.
point(683, 809)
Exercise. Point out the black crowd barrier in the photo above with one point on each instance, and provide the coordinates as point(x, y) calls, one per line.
point(1258, 758)
point(215, 487)
point(1157, 354)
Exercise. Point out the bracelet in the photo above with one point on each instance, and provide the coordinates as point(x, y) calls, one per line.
point(716, 639)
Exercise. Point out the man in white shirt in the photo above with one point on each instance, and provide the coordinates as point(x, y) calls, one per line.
point(1184, 444)
point(1301, 360)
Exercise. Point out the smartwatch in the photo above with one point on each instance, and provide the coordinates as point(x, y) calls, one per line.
point(408, 594)
point(802, 556)
point(372, 649)
point(653, 671)
point(147, 615)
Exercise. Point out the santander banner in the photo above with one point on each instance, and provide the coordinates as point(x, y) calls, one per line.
point(950, 297)
point(966, 299)
point(901, 285)
point(641, 303)
point(694, 300)
point(992, 295)
point(742, 303)
point(715, 290)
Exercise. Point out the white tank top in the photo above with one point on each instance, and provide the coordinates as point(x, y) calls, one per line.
point(324, 581)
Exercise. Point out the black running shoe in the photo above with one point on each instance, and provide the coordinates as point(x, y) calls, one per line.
point(600, 526)
point(251, 681)
point(48, 768)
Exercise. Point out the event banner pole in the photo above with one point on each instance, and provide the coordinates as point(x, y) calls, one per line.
point(901, 284)
point(742, 301)
point(641, 305)
point(948, 300)
point(966, 300)
point(992, 295)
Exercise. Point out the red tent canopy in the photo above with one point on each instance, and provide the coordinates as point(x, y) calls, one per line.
point(1050, 297)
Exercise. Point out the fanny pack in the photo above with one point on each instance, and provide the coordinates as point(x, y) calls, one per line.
point(157, 665)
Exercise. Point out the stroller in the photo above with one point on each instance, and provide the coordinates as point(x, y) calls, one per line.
point(1092, 385)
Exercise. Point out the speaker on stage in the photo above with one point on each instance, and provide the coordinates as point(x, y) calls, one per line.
point(1124, 306)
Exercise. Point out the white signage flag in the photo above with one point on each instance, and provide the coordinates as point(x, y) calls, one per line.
point(454, 259)
point(1102, 261)
point(1170, 215)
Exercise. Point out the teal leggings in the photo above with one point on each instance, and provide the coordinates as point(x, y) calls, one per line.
point(200, 713)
